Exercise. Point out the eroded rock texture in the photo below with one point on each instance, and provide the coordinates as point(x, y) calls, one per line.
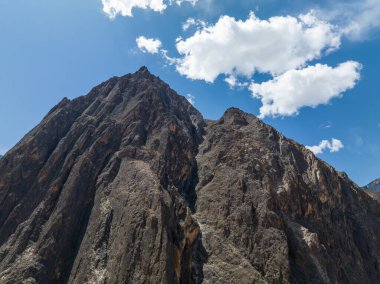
point(130, 184)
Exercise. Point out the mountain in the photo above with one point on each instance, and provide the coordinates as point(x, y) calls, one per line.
point(130, 184)
point(374, 186)
point(373, 189)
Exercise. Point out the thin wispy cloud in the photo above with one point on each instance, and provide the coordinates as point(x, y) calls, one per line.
point(326, 125)
point(112, 8)
point(179, 2)
point(191, 22)
point(357, 19)
point(233, 82)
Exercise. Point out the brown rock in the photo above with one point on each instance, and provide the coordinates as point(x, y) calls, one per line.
point(130, 184)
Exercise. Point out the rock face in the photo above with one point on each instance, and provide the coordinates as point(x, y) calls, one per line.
point(373, 189)
point(374, 186)
point(130, 184)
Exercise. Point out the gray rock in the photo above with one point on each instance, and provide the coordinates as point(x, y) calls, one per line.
point(130, 184)
point(373, 189)
point(374, 186)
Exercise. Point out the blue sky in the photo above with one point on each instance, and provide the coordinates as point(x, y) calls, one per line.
point(55, 49)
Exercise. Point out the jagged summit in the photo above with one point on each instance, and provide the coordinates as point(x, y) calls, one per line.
point(143, 70)
point(233, 111)
point(129, 184)
point(236, 116)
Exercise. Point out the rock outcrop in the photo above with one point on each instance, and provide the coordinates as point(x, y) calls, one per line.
point(129, 184)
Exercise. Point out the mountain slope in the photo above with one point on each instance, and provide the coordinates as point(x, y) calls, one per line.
point(373, 189)
point(91, 189)
point(286, 213)
point(130, 184)
point(374, 186)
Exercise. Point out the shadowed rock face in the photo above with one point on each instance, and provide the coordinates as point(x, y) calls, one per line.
point(130, 184)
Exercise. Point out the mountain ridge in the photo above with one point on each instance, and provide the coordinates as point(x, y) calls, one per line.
point(373, 189)
point(130, 184)
point(374, 185)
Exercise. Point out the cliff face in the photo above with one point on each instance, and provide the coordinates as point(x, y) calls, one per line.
point(130, 184)
point(267, 204)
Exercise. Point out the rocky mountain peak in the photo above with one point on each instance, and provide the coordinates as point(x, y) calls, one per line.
point(235, 116)
point(129, 184)
point(144, 72)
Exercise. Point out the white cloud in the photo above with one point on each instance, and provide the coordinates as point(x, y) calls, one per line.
point(193, 22)
point(281, 46)
point(285, 94)
point(334, 146)
point(233, 82)
point(365, 16)
point(357, 18)
point(326, 125)
point(124, 7)
point(243, 47)
point(179, 2)
point(190, 98)
point(149, 45)
point(189, 23)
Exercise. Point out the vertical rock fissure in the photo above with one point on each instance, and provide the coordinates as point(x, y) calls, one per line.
point(193, 253)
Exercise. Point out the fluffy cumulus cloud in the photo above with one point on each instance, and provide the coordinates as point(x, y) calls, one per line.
point(124, 7)
point(334, 146)
point(285, 94)
point(243, 47)
point(281, 46)
point(149, 45)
